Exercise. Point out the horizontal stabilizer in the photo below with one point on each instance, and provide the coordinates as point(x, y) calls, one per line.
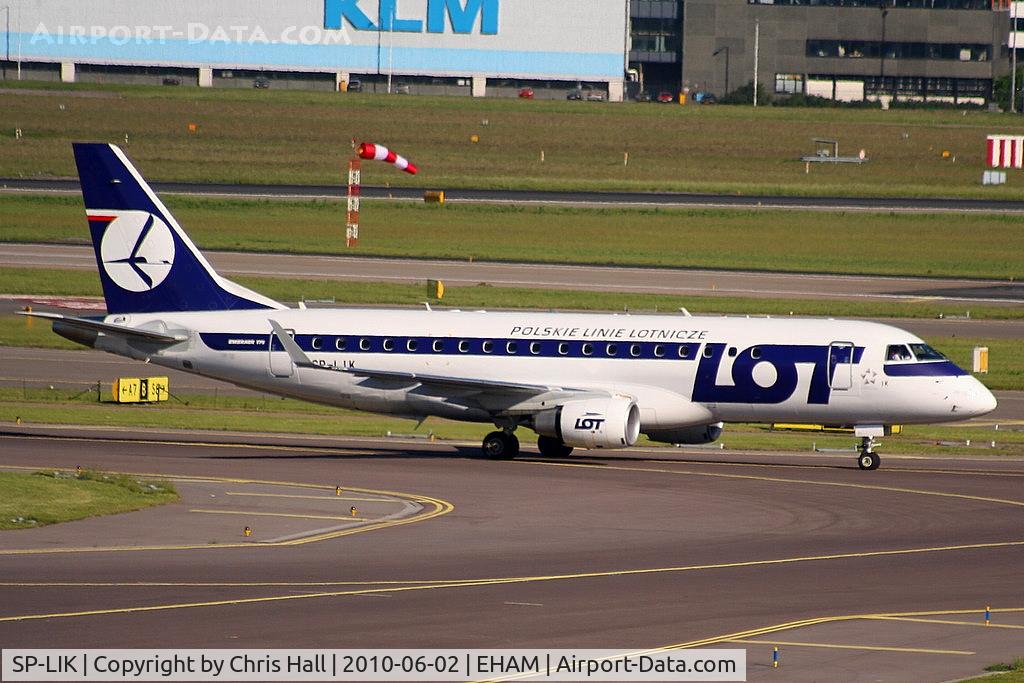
point(109, 328)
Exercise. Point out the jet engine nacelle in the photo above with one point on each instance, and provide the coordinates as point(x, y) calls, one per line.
point(699, 434)
point(593, 423)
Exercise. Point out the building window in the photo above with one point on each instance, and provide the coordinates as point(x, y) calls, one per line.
point(874, 49)
point(908, 4)
point(789, 83)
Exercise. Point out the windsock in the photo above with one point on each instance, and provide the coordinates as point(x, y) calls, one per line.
point(368, 150)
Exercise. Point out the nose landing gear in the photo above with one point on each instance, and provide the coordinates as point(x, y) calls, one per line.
point(868, 459)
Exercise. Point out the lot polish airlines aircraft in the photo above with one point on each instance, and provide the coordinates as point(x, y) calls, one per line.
point(578, 380)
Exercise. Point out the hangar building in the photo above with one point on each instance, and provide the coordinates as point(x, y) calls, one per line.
point(848, 49)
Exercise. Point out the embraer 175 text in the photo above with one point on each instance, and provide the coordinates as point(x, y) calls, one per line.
point(579, 381)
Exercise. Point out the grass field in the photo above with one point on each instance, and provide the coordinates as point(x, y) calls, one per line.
point(32, 500)
point(286, 416)
point(960, 245)
point(304, 137)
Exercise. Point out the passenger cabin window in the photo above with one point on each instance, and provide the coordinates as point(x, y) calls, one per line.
point(438, 346)
point(511, 348)
point(463, 346)
point(535, 348)
point(659, 351)
point(588, 349)
point(563, 349)
point(488, 346)
point(364, 344)
point(612, 350)
point(412, 345)
point(339, 343)
point(925, 352)
point(634, 350)
point(897, 352)
point(389, 345)
point(318, 343)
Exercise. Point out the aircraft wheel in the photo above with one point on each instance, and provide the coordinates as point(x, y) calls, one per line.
point(553, 448)
point(500, 446)
point(869, 461)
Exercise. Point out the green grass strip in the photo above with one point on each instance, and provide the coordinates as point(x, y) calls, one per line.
point(948, 245)
point(275, 136)
point(34, 500)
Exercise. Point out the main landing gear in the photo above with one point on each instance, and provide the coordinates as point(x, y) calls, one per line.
point(551, 447)
point(500, 446)
point(868, 459)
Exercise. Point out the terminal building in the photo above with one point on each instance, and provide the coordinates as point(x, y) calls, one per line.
point(945, 50)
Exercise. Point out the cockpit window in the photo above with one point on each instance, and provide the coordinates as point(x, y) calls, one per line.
point(897, 352)
point(925, 352)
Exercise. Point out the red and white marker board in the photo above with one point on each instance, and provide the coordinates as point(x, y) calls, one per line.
point(1006, 151)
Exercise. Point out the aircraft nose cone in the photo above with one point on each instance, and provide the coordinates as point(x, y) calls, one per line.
point(976, 400)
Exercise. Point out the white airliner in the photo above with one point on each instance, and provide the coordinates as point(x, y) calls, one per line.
point(578, 380)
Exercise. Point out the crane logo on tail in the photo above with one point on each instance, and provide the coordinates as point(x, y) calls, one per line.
point(137, 251)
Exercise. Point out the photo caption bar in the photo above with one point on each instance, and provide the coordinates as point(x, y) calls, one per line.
point(372, 665)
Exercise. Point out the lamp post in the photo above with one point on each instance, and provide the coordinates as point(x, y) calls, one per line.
point(881, 47)
point(1013, 63)
point(7, 39)
point(717, 52)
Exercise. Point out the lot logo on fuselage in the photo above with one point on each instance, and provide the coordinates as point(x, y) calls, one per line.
point(462, 15)
point(768, 374)
point(590, 422)
point(137, 251)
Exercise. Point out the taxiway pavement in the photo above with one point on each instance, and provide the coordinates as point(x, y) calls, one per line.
point(959, 294)
point(858, 575)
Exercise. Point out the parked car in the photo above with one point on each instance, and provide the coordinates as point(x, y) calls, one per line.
point(261, 83)
point(526, 93)
point(665, 97)
point(643, 96)
point(402, 89)
point(172, 80)
point(355, 85)
point(586, 92)
point(705, 98)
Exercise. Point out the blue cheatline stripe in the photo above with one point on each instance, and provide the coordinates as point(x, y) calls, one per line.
point(943, 369)
point(260, 55)
point(459, 346)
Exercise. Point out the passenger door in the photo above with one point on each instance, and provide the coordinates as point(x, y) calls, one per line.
point(840, 367)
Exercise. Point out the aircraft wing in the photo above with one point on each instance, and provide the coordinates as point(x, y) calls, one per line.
point(108, 328)
point(512, 390)
point(454, 382)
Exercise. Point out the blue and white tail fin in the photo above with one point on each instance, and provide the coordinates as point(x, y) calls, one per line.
point(146, 261)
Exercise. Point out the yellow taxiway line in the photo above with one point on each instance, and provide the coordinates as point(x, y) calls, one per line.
point(946, 622)
point(529, 579)
point(781, 480)
point(440, 507)
point(836, 646)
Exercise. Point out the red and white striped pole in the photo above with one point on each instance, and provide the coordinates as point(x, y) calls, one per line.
point(354, 184)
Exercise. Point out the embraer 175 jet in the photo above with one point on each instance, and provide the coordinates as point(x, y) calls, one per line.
point(578, 380)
